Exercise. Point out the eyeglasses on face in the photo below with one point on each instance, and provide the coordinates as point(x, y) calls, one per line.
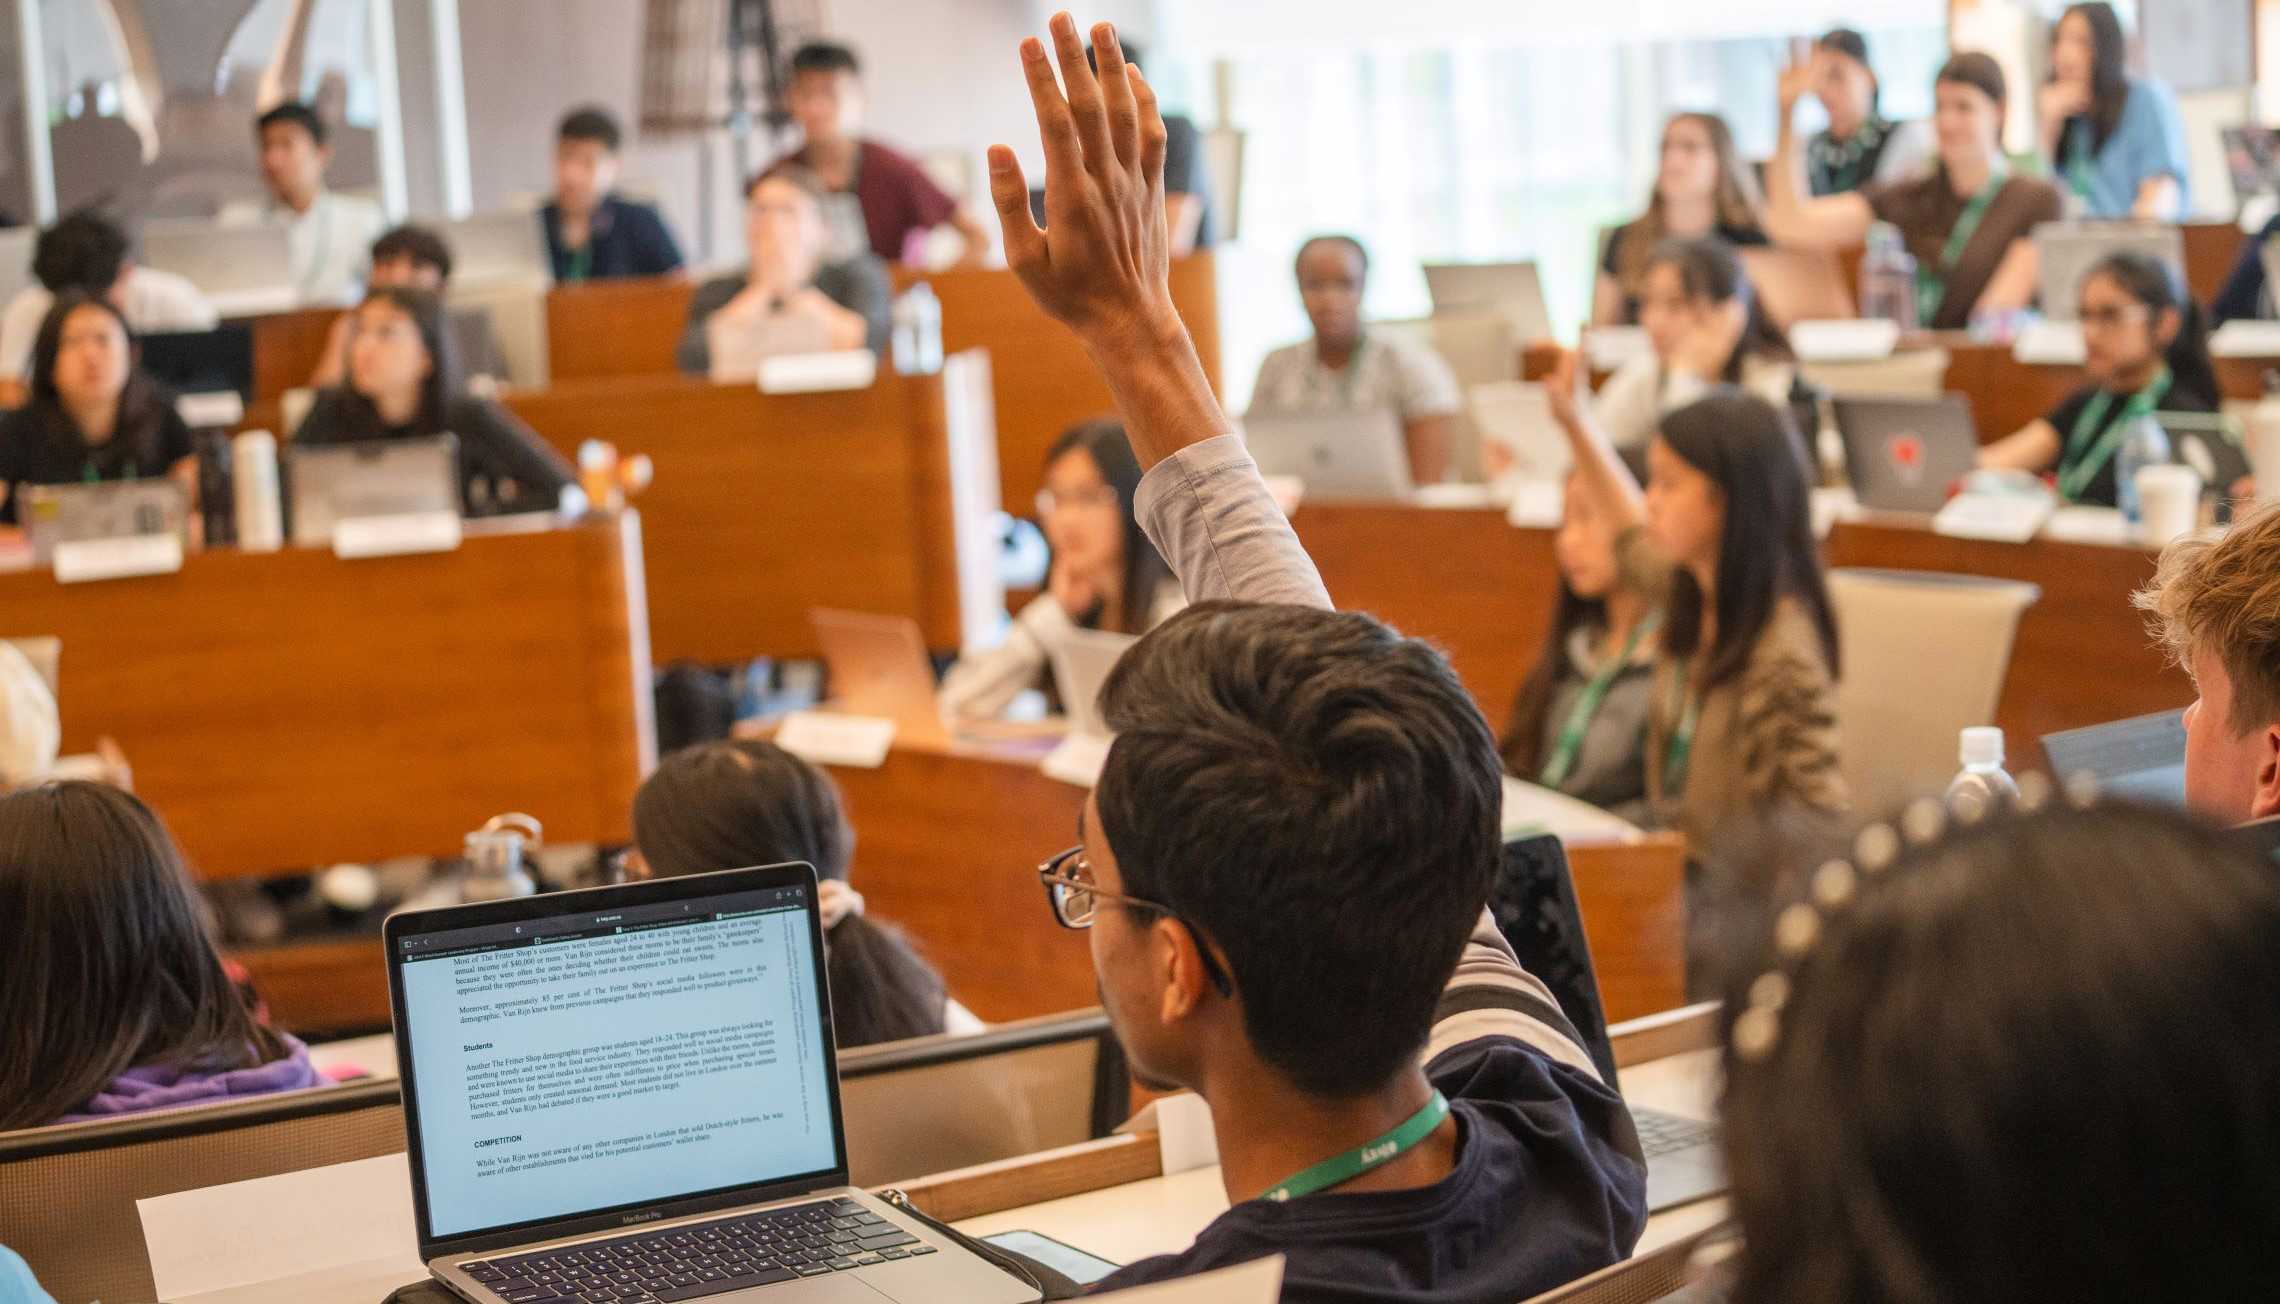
point(1076, 902)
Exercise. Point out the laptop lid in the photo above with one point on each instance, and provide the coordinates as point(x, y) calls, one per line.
point(1799, 285)
point(1338, 454)
point(2066, 251)
point(330, 483)
point(878, 666)
point(2142, 757)
point(203, 362)
point(1081, 666)
point(116, 509)
point(222, 258)
point(1515, 291)
point(582, 1061)
point(1904, 454)
point(502, 246)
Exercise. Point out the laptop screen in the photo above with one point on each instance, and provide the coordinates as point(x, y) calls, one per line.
point(2141, 758)
point(618, 1055)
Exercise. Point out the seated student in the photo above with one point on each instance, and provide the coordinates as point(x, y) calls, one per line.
point(2144, 350)
point(1286, 863)
point(591, 233)
point(1744, 712)
point(2117, 142)
point(1707, 327)
point(87, 252)
point(788, 299)
point(416, 258)
point(2079, 1004)
point(114, 1000)
point(1105, 573)
point(93, 415)
point(726, 805)
point(1345, 368)
point(328, 233)
point(1702, 189)
point(1966, 221)
point(401, 384)
point(1860, 144)
point(1579, 724)
point(884, 201)
point(2216, 605)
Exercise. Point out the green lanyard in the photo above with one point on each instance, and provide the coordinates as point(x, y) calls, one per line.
point(1570, 744)
point(1931, 283)
point(1681, 747)
point(2084, 459)
point(2081, 169)
point(1341, 1169)
point(582, 260)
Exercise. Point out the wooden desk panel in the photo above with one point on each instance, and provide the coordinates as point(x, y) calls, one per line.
point(600, 329)
point(286, 349)
point(2210, 251)
point(291, 709)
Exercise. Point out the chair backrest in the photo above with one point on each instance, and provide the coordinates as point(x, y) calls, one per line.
point(1638, 1280)
point(517, 312)
point(932, 1104)
point(1924, 656)
point(67, 1193)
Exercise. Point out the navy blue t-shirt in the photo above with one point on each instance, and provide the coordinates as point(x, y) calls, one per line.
point(625, 239)
point(1547, 1187)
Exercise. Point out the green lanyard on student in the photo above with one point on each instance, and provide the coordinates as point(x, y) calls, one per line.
point(581, 261)
point(1341, 1169)
point(1931, 282)
point(1570, 744)
point(2081, 168)
point(2084, 459)
point(1681, 747)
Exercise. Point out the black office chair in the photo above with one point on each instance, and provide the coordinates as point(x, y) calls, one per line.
point(1535, 907)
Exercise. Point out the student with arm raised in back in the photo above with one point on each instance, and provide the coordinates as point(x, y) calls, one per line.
point(888, 197)
point(1707, 327)
point(1701, 189)
point(2116, 141)
point(1966, 221)
point(592, 233)
point(788, 300)
point(93, 415)
point(1286, 863)
point(1860, 145)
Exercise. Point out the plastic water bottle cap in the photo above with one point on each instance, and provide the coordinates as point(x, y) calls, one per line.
point(1983, 745)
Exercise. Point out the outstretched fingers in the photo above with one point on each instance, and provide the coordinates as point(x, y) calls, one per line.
point(1121, 105)
point(1009, 190)
point(1086, 109)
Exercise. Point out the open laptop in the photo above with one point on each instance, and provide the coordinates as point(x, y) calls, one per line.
point(1348, 455)
point(203, 362)
point(1513, 290)
point(16, 261)
point(1081, 666)
point(1905, 454)
point(53, 514)
point(330, 483)
point(244, 268)
point(495, 248)
point(1534, 904)
point(2066, 251)
point(2141, 758)
point(1798, 285)
point(631, 1092)
point(2252, 157)
point(878, 665)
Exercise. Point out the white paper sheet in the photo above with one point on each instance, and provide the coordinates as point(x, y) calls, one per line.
point(319, 1219)
point(1184, 1132)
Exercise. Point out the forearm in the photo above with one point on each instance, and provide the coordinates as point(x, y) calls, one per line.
point(2158, 200)
point(1428, 440)
point(2033, 448)
point(1157, 380)
point(1601, 475)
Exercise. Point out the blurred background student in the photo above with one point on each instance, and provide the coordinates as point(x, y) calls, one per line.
point(94, 415)
point(2115, 141)
point(1702, 188)
point(1859, 145)
point(1707, 328)
point(788, 298)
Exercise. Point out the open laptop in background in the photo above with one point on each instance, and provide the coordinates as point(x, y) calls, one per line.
point(327, 484)
point(1513, 290)
point(1797, 285)
point(878, 666)
point(506, 247)
point(16, 261)
point(53, 514)
point(202, 362)
point(1339, 455)
point(245, 269)
point(631, 1093)
point(2142, 758)
point(1081, 666)
point(1905, 454)
point(2066, 251)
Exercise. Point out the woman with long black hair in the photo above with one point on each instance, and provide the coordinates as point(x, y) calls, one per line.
point(2115, 141)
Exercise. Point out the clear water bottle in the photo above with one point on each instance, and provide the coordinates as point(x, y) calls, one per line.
point(1888, 278)
point(2146, 444)
point(918, 331)
point(1982, 782)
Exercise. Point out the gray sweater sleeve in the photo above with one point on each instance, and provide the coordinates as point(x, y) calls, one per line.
point(1209, 514)
point(693, 355)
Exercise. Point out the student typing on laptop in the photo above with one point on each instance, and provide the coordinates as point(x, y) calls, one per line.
point(1286, 863)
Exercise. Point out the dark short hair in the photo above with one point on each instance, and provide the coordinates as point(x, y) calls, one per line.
point(825, 56)
point(1978, 71)
point(591, 122)
point(82, 251)
point(1320, 798)
point(295, 113)
point(1360, 251)
point(418, 243)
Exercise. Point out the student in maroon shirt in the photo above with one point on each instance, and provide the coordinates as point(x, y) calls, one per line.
point(898, 200)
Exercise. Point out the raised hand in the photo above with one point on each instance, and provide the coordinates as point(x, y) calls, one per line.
point(1796, 81)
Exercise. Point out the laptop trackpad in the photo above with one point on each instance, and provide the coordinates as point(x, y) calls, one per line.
point(839, 1288)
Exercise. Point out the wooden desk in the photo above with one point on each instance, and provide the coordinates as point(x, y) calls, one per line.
point(286, 349)
point(600, 329)
point(766, 506)
point(2210, 251)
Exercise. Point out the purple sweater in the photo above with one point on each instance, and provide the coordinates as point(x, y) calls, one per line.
point(140, 1090)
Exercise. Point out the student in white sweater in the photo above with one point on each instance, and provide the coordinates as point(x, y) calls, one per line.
point(1708, 329)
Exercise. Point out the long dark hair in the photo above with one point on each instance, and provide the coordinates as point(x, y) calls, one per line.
point(1750, 450)
point(2015, 1065)
point(2109, 71)
point(726, 805)
point(426, 311)
point(1523, 744)
point(1144, 569)
point(143, 405)
point(109, 965)
point(2159, 286)
point(1708, 268)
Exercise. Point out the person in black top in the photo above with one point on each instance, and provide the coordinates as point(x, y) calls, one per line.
point(93, 414)
point(591, 234)
point(2145, 349)
point(788, 300)
point(2243, 295)
point(1701, 189)
point(402, 384)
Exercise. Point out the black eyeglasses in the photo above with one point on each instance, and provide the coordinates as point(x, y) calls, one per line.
point(1076, 901)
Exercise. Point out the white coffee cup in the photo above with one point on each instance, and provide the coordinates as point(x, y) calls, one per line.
point(2169, 503)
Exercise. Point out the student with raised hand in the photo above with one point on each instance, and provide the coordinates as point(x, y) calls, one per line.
point(890, 202)
point(730, 804)
point(1344, 368)
point(402, 383)
point(114, 999)
point(2116, 141)
point(1701, 189)
point(1744, 712)
point(592, 233)
point(1286, 863)
point(788, 299)
point(1707, 327)
point(416, 258)
point(1966, 220)
point(2215, 604)
point(88, 252)
point(93, 415)
point(327, 233)
point(2144, 351)
point(1860, 145)
point(1104, 575)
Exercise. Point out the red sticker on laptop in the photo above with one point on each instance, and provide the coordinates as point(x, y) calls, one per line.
point(1906, 452)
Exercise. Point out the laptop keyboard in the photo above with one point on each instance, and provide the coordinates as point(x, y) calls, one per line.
point(700, 1259)
point(1662, 1134)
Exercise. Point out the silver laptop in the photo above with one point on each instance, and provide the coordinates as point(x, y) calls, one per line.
point(1514, 289)
point(330, 483)
point(2066, 251)
point(1360, 454)
point(1081, 665)
point(245, 268)
point(117, 509)
point(1905, 454)
point(494, 247)
point(2142, 758)
point(631, 1093)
